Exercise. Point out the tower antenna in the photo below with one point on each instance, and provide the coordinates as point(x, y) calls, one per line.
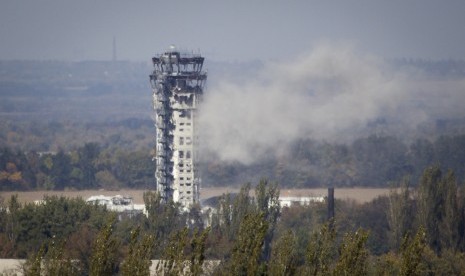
point(114, 49)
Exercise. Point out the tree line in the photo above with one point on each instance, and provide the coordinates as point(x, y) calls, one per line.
point(416, 230)
point(374, 161)
point(87, 167)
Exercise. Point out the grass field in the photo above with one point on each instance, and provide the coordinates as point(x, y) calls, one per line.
point(360, 195)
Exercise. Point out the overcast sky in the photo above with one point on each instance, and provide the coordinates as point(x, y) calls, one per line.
point(228, 30)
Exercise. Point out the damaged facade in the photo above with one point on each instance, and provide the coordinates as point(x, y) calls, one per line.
point(177, 82)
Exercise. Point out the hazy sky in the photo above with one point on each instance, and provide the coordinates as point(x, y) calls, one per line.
point(228, 30)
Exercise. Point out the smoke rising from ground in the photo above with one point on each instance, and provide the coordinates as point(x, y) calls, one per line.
point(330, 93)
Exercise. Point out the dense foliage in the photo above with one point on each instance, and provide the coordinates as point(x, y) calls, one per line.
point(87, 167)
point(375, 161)
point(413, 231)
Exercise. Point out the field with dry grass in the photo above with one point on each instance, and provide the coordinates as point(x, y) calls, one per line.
point(360, 195)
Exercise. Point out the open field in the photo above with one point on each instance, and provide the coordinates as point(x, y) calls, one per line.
point(360, 195)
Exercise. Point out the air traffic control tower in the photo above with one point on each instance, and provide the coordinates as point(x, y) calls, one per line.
point(177, 82)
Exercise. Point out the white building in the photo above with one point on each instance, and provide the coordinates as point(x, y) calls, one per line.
point(177, 83)
point(288, 201)
point(118, 203)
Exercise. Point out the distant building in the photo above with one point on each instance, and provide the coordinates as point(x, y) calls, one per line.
point(287, 201)
point(118, 203)
point(177, 82)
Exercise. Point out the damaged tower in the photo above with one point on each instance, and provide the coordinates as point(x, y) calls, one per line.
point(177, 82)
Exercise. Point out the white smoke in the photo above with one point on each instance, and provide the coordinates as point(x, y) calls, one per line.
point(329, 93)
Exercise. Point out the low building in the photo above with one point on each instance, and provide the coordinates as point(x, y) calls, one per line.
point(287, 201)
point(119, 204)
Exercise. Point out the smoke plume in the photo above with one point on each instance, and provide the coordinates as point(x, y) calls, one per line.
point(329, 93)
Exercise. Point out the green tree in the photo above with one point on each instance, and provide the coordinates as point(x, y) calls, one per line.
point(198, 243)
point(14, 207)
point(248, 248)
point(184, 255)
point(163, 218)
point(400, 214)
point(450, 233)
point(51, 260)
point(241, 206)
point(267, 200)
point(174, 259)
point(353, 254)
point(412, 251)
point(104, 258)
point(137, 262)
point(283, 256)
point(225, 213)
point(56, 262)
point(438, 209)
point(430, 206)
point(321, 251)
point(33, 265)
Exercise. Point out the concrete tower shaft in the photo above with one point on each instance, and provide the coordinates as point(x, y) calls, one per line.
point(177, 83)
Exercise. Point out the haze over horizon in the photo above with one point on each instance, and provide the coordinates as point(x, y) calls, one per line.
point(228, 31)
point(322, 70)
